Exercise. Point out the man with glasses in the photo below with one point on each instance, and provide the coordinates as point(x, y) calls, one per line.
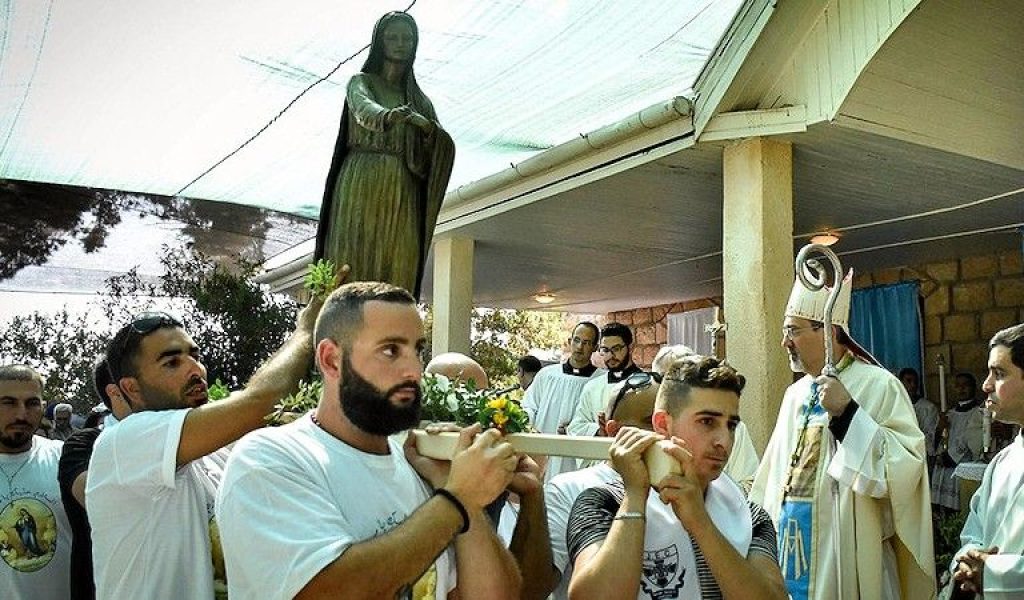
point(617, 351)
point(153, 477)
point(844, 474)
point(539, 540)
point(552, 399)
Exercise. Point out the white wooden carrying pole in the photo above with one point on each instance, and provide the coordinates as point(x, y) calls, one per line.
point(442, 447)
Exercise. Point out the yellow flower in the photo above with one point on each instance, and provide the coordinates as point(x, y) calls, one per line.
point(498, 403)
point(500, 418)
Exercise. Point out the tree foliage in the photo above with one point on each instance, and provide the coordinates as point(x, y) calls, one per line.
point(62, 346)
point(237, 324)
point(500, 337)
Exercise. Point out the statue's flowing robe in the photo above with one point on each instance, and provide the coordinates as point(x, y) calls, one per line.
point(385, 185)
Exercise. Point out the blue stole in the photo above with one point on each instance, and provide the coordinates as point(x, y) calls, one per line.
point(797, 550)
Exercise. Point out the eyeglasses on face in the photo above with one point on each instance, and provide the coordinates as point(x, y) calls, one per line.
point(789, 332)
point(611, 349)
point(636, 381)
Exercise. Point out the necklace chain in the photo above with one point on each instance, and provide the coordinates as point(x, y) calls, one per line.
point(10, 478)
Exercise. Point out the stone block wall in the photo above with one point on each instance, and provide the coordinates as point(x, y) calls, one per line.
point(965, 302)
point(650, 326)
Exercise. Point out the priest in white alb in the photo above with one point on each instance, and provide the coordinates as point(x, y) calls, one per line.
point(844, 474)
point(617, 351)
point(553, 396)
point(991, 561)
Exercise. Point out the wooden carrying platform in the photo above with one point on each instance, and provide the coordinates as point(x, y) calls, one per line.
point(442, 447)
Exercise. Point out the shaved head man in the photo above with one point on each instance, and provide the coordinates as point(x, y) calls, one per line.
point(454, 365)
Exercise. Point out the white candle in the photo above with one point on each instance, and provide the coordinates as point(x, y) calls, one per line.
point(986, 431)
point(942, 382)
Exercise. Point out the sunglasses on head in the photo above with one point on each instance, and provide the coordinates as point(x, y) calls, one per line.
point(141, 324)
point(636, 381)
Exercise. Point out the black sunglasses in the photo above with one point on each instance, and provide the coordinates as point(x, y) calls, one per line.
point(142, 325)
point(636, 381)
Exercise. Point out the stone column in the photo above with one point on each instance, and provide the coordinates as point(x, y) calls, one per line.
point(757, 267)
point(453, 294)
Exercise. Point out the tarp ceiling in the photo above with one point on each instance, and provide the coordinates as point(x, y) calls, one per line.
point(147, 95)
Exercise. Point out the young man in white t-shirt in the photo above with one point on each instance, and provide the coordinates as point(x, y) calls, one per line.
point(538, 541)
point(35, 542)
point(696, 536)
point(153, 477)
point(331, 506)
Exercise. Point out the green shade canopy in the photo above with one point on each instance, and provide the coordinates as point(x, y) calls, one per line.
point(147, 96)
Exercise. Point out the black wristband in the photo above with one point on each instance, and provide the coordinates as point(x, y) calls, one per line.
point(458, 506)
point(840, 424)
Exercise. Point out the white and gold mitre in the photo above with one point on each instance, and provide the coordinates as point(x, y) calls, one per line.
point(805, 304)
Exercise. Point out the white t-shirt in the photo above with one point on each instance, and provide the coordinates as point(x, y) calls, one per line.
point(559, 495)
point(295, 498)
point(151, 522)
point(35, 537)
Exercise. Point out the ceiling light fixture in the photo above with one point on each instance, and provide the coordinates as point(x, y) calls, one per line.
point(825, 238)
point(544, 298)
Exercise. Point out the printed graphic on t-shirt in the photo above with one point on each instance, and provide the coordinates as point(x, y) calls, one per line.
point(28, 535)
point(426, 587)
point(663, 575)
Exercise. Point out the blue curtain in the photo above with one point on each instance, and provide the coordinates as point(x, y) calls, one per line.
point(886, 320)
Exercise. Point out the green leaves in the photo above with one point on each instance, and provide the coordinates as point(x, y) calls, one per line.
point(218, 391)
point(503, 414)
point(237, 323)
point(321, 280)
point(295, 405)
point(453, 401)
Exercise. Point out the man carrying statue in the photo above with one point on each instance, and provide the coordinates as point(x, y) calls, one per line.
point(844, 473)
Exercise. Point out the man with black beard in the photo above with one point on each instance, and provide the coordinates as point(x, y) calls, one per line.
point(331, 506)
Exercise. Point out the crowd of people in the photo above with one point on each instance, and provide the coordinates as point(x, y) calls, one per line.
point(172, 496)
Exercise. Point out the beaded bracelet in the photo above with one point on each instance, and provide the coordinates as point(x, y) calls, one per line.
point(458, 506)
point(630, 515)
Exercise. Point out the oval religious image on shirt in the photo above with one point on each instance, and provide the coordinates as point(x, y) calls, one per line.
point(28, 535)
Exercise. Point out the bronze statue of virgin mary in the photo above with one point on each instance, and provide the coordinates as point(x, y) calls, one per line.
point(391, 166)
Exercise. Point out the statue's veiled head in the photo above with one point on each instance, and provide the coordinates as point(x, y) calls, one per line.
point(395, 38)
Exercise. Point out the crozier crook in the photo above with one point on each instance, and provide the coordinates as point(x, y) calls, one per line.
point(813, 276)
